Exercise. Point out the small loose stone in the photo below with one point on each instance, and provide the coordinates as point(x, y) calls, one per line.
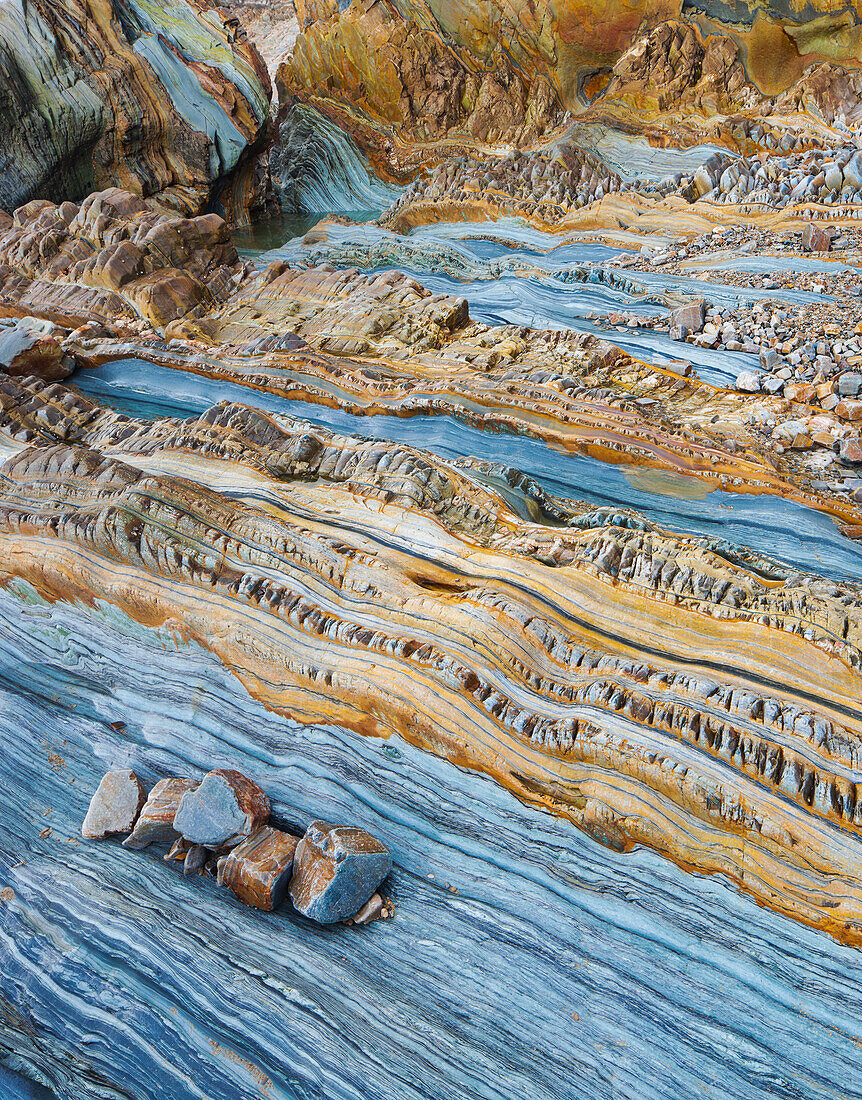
point(115, 806)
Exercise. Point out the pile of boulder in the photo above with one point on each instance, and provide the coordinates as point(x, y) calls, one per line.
point(830, 176)
point(219, 826)
point(550, 182)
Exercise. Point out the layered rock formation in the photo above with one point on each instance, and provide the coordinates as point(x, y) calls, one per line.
point(411, 81)
point(128, 281)
point(534, 671)
point(626, 677)
point(563, 46)
point(113, 259)
point(169, 100)
point(402, 84)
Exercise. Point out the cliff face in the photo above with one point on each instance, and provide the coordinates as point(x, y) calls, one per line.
point(166, 100)
point(404, 78)
point(412, 79)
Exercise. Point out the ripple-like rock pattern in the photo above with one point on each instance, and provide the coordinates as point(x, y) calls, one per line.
point(652, 688)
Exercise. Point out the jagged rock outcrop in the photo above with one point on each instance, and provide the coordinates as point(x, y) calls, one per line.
point(114, 257)
point(676, 69)
point(410, 84)
point(399, 77)
point(169, 100)
point(546, 185)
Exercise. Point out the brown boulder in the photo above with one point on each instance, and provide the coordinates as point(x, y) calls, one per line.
point(165, 295)
point(156, 821)
point(33, 346)
point(258, 870)
point(816, 238)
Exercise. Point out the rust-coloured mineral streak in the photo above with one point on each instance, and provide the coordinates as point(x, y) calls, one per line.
point(163, 99)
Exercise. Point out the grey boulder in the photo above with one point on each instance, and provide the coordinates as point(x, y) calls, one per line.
point(115, 806)
point(336, 870)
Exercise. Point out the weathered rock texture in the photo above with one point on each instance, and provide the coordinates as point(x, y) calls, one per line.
point(161, 99)
point(115, 806)
point(411, 80)
point(225, 809)
point(130, 282)
point(155, 825)
point(653, 688)
point(259, 869)
point(114, 258)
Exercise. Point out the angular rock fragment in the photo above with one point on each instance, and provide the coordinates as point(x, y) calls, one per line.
point(178, 851)
point(690, 316)
point(259, 869)
point(748, 381)
point(371, 910)
point(226, 808)
point(33, 346)
point(851, 451)
point(849, 384)
point(196, 857)
point(336, 870)
point(816, 238)
point(115, 806)
point(156, 821)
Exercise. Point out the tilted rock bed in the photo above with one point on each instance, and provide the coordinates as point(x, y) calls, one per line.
point(219, 827)
point(548, 181)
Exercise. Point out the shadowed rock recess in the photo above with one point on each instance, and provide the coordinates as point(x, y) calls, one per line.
point(473, 541)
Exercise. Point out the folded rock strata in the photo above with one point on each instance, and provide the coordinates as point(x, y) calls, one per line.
point(654, 689)
point(132, 282)
point(410, 82)
point(162, 99)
